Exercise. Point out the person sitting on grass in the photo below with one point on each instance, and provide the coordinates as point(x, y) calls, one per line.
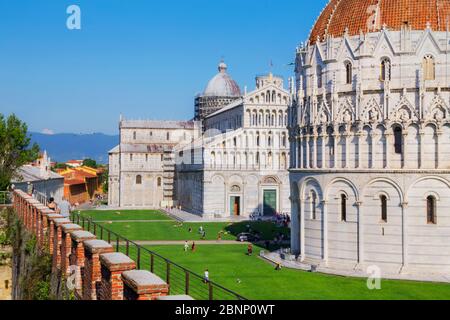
point(219, 236)
point(203, 235)
point(278, 266)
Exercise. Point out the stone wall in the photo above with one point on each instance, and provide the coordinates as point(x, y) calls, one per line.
point(81, 266)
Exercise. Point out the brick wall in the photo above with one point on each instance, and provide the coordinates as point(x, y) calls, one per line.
point(89, 265)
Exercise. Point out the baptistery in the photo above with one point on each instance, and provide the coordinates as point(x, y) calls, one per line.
point(370, 138)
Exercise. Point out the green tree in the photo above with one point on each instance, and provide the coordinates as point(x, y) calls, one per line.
point(90, 163)
point(15, 149)
point(60, 165)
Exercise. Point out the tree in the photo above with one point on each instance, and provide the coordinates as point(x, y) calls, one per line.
point(15, 149)
point(60, 165)
point(90, 163)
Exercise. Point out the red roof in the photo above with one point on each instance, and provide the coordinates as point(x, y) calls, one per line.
point(72, 182)
point(356, 16)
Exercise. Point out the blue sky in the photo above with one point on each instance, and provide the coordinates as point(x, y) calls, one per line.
point(145, 59)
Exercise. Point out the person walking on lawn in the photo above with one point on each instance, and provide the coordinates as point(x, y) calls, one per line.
point(186, 246)
point(206, 279)
point(193, 246)
point(250, 249)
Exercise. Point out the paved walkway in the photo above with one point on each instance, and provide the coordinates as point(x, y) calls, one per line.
point(274, 257)
point(185, 216)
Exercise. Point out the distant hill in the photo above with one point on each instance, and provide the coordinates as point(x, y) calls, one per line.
point(67, 146)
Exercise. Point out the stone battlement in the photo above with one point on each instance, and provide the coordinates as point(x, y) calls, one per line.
point(90, 265)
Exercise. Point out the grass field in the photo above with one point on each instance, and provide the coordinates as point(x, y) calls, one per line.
point(169, 230)
point(259, 280)
point(133, 225)
point(125, 215)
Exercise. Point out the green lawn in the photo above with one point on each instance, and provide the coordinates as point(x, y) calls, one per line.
point(259, 280)
point(171, 230)
point(112, 215)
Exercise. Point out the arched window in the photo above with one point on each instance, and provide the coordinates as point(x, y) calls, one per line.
point(138, 179)
point(313, 205)
point(168, 136)
point(134, 135)
point(385, 70)
point(270, 156)
point(283, 142)
point(383, 200)
point(257, 140)
point(269, 141)
point(158, 181)
point(131, 157)
point(429, 68)
point(398, 140)
point(431, 210)
point(348, 72)
point(319, 76)
point(257, 158)
point(343, 207)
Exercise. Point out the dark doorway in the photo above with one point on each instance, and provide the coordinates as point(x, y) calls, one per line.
point(270, 202)
point(235, 206)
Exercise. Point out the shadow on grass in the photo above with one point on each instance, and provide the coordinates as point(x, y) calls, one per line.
point(268, 232)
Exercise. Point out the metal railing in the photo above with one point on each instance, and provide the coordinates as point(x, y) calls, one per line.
point(42, 198)
point(181, 280)
point(5, 197)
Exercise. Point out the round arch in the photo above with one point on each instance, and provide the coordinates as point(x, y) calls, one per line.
point(340, 179)
point(390, 182)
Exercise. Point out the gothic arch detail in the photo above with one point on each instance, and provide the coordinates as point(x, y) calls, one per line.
point(372, 112)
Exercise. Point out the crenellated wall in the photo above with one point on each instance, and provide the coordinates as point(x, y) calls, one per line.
point(86, 266)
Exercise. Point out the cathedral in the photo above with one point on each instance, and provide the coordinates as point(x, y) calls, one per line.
point(231, 160)
point(370, 138)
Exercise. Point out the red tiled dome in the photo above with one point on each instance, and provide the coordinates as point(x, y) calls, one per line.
point(358, 15)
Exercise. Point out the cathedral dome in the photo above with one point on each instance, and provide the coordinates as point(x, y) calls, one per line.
point(222, 85)
point(355, 16)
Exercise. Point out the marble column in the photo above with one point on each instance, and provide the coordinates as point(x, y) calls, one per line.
point(360, 233)
point(336, 151)
point(405, 150)
point(308, 137)
point(314, 153)
point(439, 161)
point(389, 143)
point(421, 146)
point(300, 153)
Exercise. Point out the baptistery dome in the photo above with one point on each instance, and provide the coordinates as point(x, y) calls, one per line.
point(355, 16)
point(222, 85)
